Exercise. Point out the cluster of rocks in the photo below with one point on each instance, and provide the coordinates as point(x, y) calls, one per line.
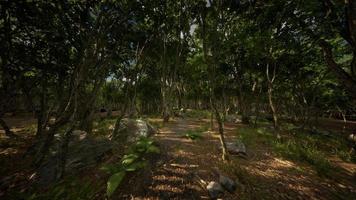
point(85, 150)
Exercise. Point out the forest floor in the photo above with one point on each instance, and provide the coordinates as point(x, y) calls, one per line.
point(263, 175)
point(266, 173)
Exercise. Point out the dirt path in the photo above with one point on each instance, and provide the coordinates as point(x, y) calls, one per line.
point(262, 176)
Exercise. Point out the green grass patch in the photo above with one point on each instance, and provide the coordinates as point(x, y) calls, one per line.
point(299, 146)
point(70, 188)
point(193, 135)
point(31, 129)
point(304, 152)
point(104, 126)
point(200, 114)
point(156, 124)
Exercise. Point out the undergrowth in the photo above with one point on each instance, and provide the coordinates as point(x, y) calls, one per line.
point(70, 188)
point(196, 133)
point(190, 113)
point(132, 161)
point(193, 135)
point(299, 146)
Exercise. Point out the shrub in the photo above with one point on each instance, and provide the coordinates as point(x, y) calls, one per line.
point(132, 161)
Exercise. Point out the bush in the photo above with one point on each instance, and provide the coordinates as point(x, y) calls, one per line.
point(132, 161)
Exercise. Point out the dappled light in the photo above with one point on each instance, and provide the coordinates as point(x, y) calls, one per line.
point(200, 99)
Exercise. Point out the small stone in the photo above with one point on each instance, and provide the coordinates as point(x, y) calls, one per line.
point(227, 183)
point(79, 135)
point(214, 189)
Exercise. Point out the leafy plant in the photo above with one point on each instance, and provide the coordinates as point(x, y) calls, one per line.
point(130, 162)
point(193, 135)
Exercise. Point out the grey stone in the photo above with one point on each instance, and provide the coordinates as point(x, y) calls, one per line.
point(352, 138)
point(214, 189)
point(79, 135)
point(85, 150)
point(227, 183)
point(132, 129)
point(236, 147)
point(231, 118)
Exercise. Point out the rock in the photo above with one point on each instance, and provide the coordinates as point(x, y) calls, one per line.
point(79, 135)
point(352, 138)
point(214, 189)
point(111, 127)
point(231, 118)
point(227, 183)
point(83, 152)
point(236, 148)
point(238, 120)
point(132, 129)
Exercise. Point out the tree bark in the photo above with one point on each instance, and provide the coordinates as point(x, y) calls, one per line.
point(270, 81)
point(348, 81)
point(7, 129)
point(225, 154)
point(63, 152)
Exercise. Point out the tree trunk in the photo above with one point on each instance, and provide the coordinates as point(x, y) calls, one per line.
point(211, 116)
point(165, 106)
point(271, 104)
point(6, 128)
point(270, 81)
point(63, 152)
point(225, 154)
point(348, 81)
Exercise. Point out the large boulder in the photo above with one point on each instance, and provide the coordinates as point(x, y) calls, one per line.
point(130, 130)
point(85, 150)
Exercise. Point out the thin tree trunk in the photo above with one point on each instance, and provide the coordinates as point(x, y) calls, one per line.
point(270, 95)
point(62, 158)
point(225, 155)
point(121, 116)
point(6, 128)
point(211, 116)
point(273, 109)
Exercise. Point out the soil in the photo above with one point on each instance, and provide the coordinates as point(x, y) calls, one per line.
point(185, 166)
point(263, 175)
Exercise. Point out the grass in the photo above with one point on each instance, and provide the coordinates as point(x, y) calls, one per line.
point(193, 135)
point(102, 126)
point(197, 113)
point(305, 152)
point(70, 188)
point(157, 124)
point(313, 149)
point(196, 133)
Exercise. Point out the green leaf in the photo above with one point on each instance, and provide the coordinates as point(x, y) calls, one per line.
point(135, 166)
point(152, 149)
point(128, 159)
point(114, 181)
point(110, 168)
